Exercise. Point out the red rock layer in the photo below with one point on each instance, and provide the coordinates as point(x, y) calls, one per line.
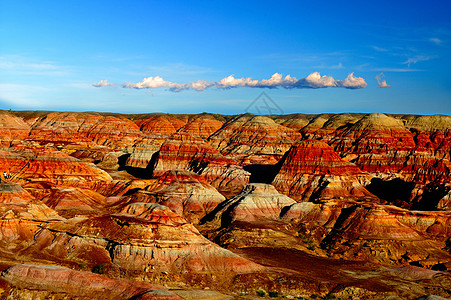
point(183, 151)
point(52, 166)
point(198, 126)
point(388, 235)
point(163, 125)
point(254, 139)
point(70, 201)
point(84, 128)
point(80, 285)
point(256, 202)
point(13, 193)
point(203, 125)
point(186, 193)
point(146, 238)
point(312, 169)
point(156, 130)
point(375, 133)
point(12, 129)
point(432, 134)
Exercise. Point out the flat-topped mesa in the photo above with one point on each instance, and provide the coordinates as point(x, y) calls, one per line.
point(183, 151)
point(254, 139)
point(84, 128)
point(312, 169)
point(12, 129)
point(428, 123)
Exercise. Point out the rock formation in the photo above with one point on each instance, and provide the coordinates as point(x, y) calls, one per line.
point(253, 139)
point(313, 170)
point(346, 205)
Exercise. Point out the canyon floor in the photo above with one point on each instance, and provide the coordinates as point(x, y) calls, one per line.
point(208, 206)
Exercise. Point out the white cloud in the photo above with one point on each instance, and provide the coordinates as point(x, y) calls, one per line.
point(417, 58)
point(278, 80)
point(149, 83)
point(102, 83)
point(352, 82)
point(436, 41)
point(231, 81)
point(314, 80)
point(381, 81)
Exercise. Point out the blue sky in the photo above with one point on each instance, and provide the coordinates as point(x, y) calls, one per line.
point(52, 52)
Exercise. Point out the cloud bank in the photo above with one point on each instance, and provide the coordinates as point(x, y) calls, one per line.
point(313, 81)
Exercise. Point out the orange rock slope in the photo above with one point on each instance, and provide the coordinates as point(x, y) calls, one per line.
point(230, 203)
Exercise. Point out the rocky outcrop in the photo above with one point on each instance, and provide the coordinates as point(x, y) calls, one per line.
point(186, 193)
point(253, 139)
point(389, 235)
point(12, 129)
point(256, 202)
point(355, 201)
point(47, 280)
point(145, 238)
point(183, 151)
point(313, 170)
point(88, 129)
point(71, 201)
point(158, 129)
point(203, 125)
point(252, 219)
point(57, 167)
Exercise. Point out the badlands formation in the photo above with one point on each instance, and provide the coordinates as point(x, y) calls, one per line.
point(159, 206)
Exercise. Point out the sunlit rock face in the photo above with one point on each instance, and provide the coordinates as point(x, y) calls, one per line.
point(235, 204)
point(184, 151)
point(186, 193)
point(47, 280)
point(82, 127)
point(12, 129)
point(313, 170)
point(253, 139)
